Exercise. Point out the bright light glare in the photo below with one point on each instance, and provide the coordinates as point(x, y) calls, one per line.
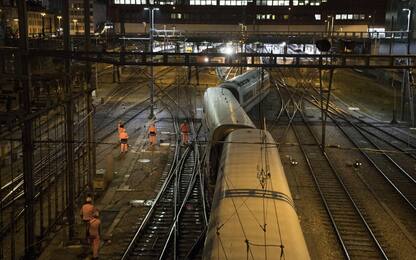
point(206, 59)
point(227, 50)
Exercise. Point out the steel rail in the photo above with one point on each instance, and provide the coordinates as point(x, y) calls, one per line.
point(190, 187)
point(160, 94)
point(334, 107)
point(371, 161)
point(182, 204)
point(168, 180)
point(342, 115)
point(38, 181)
point(346, 250)
point(174, 164)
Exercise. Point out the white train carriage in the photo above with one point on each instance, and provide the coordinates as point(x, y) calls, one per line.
point(223, 114)
point(252, 215)
point(249, 88)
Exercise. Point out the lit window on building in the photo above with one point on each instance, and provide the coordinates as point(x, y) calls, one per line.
point(273, 2)
point(308, 2)
point(203, 2)
point(271, 17)
point(350, 17)
point(176, 16)
point(233, 2)
point(132, 2)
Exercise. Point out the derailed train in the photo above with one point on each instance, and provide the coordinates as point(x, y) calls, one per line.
point(253, 215)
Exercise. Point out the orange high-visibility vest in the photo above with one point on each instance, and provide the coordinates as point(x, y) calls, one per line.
point(120, 129)
point(152, 129)
point(124, 135)
point(184, 128)
point(87, 211)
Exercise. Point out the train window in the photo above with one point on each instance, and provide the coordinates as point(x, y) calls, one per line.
point(241, 83)
point(247, 96)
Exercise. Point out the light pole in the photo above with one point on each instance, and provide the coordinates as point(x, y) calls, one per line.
point(43, 23)
point(409, 13)
point(151, 83)
point(75, 26)
point(59, 24)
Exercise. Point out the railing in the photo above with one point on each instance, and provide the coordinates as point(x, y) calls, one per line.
point(299, 34)
point(325, 61)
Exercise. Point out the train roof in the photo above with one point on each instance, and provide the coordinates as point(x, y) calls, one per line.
point(244, 79)
point(246, 200)
point(223, 113)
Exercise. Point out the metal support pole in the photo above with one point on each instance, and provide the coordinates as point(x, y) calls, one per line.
point(325, 114)
point(70, 177)
point(392, 35)
point(43, 25)
point(151, 83)
point(90, 125)
point(409, 31)
point(197, 74)
point(321, 94)
point(394, 120)
point(403, 96)
point(23, 68)
point(123, 34)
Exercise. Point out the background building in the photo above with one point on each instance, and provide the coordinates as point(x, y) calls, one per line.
point(44, 16)
point(276, 15)
point(41, 21)
point(77, 16)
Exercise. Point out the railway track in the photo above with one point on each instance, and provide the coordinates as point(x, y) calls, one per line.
point(109, 126)
point(118, 95)
point(161, 228)
point(174, 226)
point(13, 193)
point(392, 171)
point(369, 187)
point(191, 220)
point(384, 152)
point(354, 233)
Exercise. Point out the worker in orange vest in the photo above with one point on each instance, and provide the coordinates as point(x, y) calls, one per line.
point(185, 132)
point(124, 137)
point(86, 213)
point(152, 134)
point(120, 127)
point(94, 230)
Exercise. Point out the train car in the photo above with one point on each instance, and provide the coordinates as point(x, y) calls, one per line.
point(249, 88)
point(223, 114)
point(252, 214)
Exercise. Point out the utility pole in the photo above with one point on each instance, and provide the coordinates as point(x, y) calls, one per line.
point(88, 95)
point(151, 83)
point(152, 86)
point(70, 174)
point(23, 68)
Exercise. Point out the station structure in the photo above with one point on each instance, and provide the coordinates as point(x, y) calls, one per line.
point(300, 115)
